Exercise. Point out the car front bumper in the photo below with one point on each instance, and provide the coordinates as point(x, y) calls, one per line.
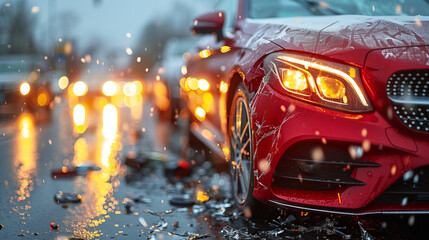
point(285, 128)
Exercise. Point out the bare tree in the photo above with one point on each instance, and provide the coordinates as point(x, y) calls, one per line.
point(174, 23)
point(16, 29)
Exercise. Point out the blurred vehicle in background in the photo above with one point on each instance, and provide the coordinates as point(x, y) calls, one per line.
point(23, 83)
point(92, 86)
point(166, 89)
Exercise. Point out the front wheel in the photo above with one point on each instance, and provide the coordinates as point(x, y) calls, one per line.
point(241, 139)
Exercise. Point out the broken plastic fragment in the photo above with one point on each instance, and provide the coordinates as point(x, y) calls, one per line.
point(54, 226)
point(61, 197)
point(181, 201)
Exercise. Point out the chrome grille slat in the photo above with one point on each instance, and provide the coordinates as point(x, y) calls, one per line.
point(408, 91)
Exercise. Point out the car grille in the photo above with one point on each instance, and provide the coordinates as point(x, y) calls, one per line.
point(408, 92)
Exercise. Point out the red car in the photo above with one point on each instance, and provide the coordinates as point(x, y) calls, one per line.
point(317, 105)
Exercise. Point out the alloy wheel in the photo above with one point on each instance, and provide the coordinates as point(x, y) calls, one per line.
point(241, 141)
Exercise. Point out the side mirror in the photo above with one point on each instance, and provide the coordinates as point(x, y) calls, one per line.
point(210, 23)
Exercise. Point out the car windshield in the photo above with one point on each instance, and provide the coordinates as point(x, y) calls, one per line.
point(302, 8)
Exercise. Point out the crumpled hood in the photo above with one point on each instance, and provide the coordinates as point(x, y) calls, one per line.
point(348, 37)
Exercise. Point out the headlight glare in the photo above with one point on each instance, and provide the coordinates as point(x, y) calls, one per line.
point(294, 80)
point(331, 87)
point(329, 84)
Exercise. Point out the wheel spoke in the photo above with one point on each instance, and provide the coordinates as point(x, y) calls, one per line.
point(244, 146)
point(243, 181)
point(238, 116)
point(245, 127)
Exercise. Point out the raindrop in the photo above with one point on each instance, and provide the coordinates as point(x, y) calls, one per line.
point(393, 170)
point(129, 51)
point(317, 154)
point(247, 212)
point(35, 9)
point(416, 179)
point(404, 201)
point(355, 151)
point(291, 108)
point(264, 166)
point(366, 145)
point(411, 220)
point(408, 175)
point(364, 132)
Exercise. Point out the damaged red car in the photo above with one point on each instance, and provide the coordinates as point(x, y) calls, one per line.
point(316, 105)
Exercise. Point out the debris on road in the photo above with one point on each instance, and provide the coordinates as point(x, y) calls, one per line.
point(281, 228)
point(364, 233)
point(87, 167)
point(190, 235)
point(128, 205)
point(135, 160)
point(1, 226)
point(80, 170)
point(176, 170)
point(182, 201)
point(61, 197)
point(143, 222)
point(54, 226)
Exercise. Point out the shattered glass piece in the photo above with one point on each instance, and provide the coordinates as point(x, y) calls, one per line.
point(61, 197)
point(364, 234)
point(190, 235)
point(274, 233)
point(143, 222)
point(196, 209)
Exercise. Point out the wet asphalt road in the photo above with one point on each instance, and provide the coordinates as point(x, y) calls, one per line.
point(121, 202)
point(34, 144)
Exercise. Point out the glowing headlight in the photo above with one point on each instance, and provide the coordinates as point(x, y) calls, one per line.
point(80, 88)
point(294, 80)
point(24, 88)
point(203, 85)
point(330, 84)
point(110, 88)
point(331, 87)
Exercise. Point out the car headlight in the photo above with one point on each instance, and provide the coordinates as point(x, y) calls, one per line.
point(24, 88)
point(80, 88)
point(329, 84)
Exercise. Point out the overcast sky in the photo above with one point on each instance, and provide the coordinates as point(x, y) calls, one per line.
point(111, 24)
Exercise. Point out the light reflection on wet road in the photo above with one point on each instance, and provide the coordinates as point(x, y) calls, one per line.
point(31, 145)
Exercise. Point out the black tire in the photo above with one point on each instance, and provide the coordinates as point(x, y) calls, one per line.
point(241, 139)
